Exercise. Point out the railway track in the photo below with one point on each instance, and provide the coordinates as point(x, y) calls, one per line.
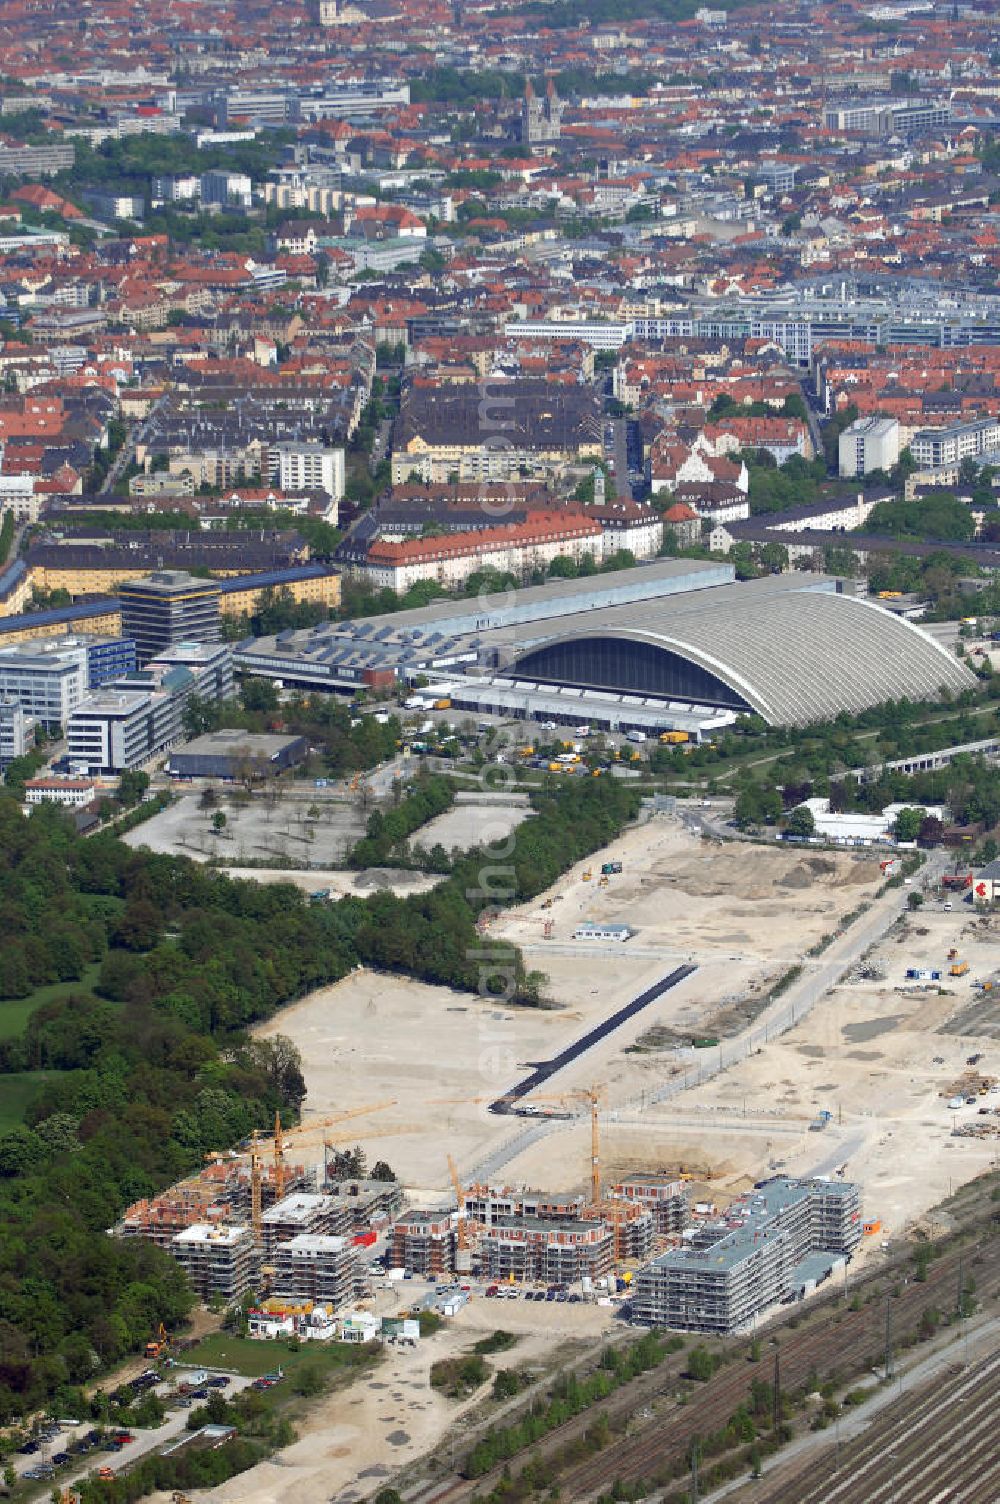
point(934, 1446)
point(838, 1344)
point(833, 1350)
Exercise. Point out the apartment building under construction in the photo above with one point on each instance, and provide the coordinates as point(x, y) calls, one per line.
point(665, 1197)
point(219, 1194)
point(629, 1222)
point(316, 1268)
point(775, 1244)
point(424, 1242)
point(556, 1252)
point(219, 1260)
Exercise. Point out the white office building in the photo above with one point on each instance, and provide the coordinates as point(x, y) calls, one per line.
point(599, 335)
point(122, 728)
point(16, 731)
point(869, 444)
point(48, 680)
point(210, 665)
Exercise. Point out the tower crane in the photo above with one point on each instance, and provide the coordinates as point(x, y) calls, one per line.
point(284, 1136)
point(460, 1198)
point(256, 1213)
point(462, 1257)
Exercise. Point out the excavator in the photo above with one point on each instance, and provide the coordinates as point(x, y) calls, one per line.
point(160, 1343)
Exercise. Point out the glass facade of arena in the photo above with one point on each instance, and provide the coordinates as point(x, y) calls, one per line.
point(626, 667)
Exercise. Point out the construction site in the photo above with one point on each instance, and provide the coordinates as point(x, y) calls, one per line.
point(695, 1153)
point(260, 1220)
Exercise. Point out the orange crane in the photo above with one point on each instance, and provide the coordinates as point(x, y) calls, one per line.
point(460, 1198)
point(594, 1095)
point(462, 1257)
point(282, 1136)
point(256, 1209)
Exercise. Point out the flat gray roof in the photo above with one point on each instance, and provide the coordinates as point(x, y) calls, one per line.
point(225, 743)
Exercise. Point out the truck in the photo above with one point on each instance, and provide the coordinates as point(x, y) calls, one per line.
point(958, 969)
point(674, 738)
point(922, 974)
point(821, 1121)
point(636, 736)
point(442, 704)
point(608, 869)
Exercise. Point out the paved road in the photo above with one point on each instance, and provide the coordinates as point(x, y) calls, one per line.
point(146, 1441)
point(623, 487)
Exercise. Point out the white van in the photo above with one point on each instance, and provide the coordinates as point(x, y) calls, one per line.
point(636, 736)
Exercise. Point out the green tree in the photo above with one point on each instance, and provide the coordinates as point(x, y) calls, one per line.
point(906, 826)
point(801, 821)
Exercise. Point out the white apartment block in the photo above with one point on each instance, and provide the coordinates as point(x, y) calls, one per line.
point(933, 447)
point(17, 495)
point(308, 467)
point(869, 444)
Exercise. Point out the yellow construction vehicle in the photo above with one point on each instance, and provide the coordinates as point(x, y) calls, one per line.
point(587, 875)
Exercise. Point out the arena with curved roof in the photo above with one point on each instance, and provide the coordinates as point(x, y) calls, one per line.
point(792, 649)
point(675, 643)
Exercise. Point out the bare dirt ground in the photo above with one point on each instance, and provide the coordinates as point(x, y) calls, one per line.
point(466, 825)
point(443, 1056)
point(354, 1441)
point(880, 1056)
point(275, 825)
point(877, 1055)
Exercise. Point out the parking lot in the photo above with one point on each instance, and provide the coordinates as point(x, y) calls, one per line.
point(68, 1450)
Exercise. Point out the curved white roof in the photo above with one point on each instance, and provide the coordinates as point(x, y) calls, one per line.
point(795, 652)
